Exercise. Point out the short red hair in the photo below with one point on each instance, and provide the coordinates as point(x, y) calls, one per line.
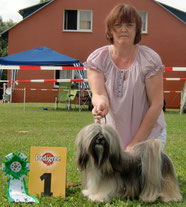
point(123, 13)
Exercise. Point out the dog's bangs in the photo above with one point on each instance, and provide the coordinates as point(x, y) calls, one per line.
point(92, 131)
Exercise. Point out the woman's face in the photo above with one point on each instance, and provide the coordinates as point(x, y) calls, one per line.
point(124, 33)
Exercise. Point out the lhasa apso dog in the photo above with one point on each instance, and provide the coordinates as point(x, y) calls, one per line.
point(108, 172)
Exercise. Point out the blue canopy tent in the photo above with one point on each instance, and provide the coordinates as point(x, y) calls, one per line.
point(42, 56)
point(38, 56)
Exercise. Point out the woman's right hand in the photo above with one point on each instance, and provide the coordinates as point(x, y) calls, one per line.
point(100, 111)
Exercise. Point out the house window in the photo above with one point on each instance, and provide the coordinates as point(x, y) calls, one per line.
point(78, 20)
point(65, 74)
point(143, 15)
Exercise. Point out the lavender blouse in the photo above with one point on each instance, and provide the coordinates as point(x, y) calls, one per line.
point(126, 90)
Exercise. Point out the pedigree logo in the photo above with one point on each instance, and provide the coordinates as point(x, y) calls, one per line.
point(47, 158)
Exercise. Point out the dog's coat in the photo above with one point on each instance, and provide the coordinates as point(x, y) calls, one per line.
point(109, 172)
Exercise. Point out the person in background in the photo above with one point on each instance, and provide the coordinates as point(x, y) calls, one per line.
point(126, 80)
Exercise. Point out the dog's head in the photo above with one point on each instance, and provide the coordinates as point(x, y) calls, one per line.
point(97, 144)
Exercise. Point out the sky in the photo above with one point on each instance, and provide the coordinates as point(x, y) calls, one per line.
point(9, 8)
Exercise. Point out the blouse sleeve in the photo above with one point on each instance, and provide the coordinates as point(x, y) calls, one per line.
point(96, 59)
point(151, 63)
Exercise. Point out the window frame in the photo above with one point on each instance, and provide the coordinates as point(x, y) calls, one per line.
point(72, 76)
point(146, 22)
point(78, 21)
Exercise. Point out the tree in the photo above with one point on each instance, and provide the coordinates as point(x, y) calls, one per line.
point(3, 43)
point(4, 46)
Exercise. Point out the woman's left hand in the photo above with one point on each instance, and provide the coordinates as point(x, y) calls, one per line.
point(129, 148)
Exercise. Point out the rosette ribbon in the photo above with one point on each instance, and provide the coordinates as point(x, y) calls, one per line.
point(16, 168)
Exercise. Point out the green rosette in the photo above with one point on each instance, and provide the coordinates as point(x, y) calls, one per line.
point(16, 168)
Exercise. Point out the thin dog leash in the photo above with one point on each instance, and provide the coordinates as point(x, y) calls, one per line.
point(96, 120)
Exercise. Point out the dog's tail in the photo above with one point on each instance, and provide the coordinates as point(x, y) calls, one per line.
point(151, 169)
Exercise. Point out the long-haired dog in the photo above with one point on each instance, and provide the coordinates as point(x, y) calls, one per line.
point(108, 172)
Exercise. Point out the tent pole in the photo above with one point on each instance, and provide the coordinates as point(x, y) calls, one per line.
point(55, 105)
point(79, 96)
point(24, 104)
point(11, 86)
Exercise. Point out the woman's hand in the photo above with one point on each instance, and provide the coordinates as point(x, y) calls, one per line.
point(129, 148)
point(100, 111)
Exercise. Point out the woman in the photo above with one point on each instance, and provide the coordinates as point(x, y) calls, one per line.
point(126, 80)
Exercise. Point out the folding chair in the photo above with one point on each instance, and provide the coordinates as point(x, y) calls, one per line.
point(85, 99)
point(183, 100)
point(85, 95)
point(65, 95)
point(7, 94)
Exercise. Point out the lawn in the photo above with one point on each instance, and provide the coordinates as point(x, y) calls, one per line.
point(59, 128)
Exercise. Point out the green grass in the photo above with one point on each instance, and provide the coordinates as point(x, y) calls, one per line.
point(59, 128)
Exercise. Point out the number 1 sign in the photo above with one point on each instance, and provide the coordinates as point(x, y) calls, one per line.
point(47, 171)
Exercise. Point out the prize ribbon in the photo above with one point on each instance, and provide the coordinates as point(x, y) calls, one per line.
point(16, 168)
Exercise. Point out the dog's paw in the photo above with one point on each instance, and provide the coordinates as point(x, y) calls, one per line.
point(99, 197)
point(85, 192)
point(149, 198)
point(96, 197)
point(175, 198)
